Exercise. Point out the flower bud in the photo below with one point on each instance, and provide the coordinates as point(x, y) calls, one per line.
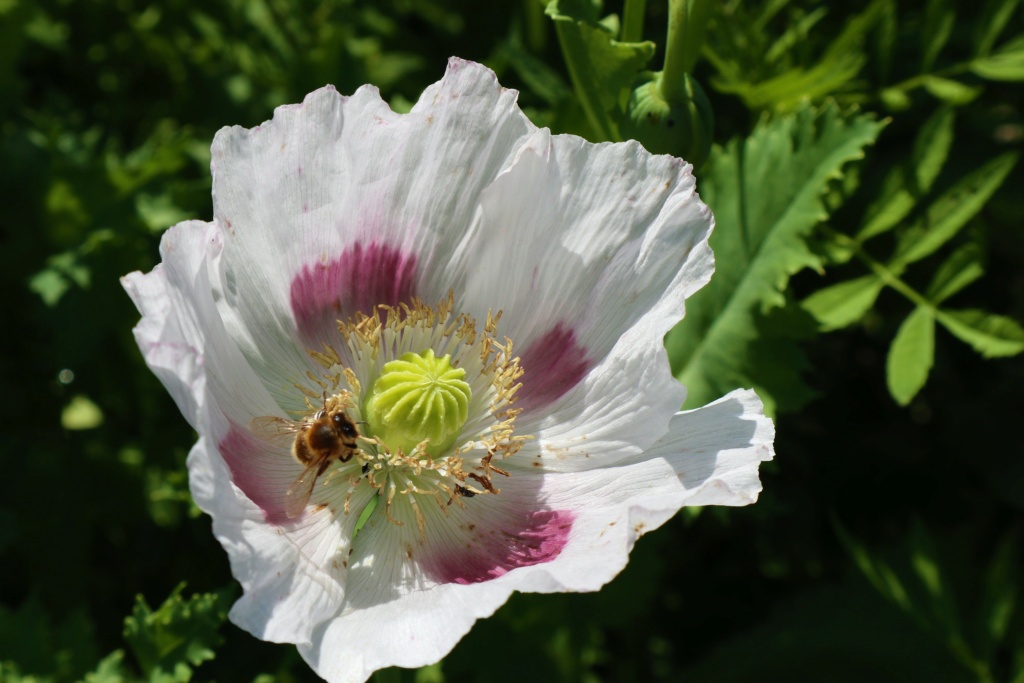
point(682, 126)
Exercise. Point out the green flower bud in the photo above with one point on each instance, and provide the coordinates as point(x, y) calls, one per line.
point(417, 397)
point(682, 127)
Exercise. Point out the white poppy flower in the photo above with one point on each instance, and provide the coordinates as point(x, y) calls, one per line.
point(484, 303)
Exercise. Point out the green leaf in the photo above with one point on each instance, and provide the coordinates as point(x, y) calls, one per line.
point(602, 68)
point(766, 193)
point(876, 570)
point(931, 148)
point(959, 270)
point(924, 560)
point(839, 65)
point(905, 185)
point(948, 90)
point(845, 303)
point(542, 80)
point(1005, 64)
point(938, 26)
point(1000, 588)
point(109, 670)
point(911, 355)
point(991, 23)
point(179, 635)
point(895, 98)
point(990, 335)
point(951, 211)
point(158, 212)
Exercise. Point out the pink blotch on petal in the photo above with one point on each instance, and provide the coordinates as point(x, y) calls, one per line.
point(489, 553)
point(552, 365)
point(358, 280)
point(261, 472)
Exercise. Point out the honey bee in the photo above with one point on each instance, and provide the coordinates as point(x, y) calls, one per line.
point(329, 435)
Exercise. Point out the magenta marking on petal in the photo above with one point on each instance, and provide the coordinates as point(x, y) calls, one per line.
point(552, 365)
point(358, 280)
point(490, 553)
point(262, 475)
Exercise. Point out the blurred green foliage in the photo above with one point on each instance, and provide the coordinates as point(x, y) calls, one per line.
point(866, 185)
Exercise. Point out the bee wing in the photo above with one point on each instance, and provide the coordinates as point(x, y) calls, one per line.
point(298, 493)
point(275, 428)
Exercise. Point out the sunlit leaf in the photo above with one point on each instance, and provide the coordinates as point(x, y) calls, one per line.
point(911, 355)
point(948, 90)
point(904, 185)
point(601, 67)
point(841, 62)
point(766, 194)
point(176, 637)
point(959, 270)
point(990, 335)
point(844, 303)
point(950, 212)
point(109, 670)
point(1005, 64)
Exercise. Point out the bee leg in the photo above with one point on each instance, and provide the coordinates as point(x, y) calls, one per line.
point(323, 467)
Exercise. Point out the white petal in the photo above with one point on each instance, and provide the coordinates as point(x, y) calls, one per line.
point(597, 249)
point(716, 449)
point(709, 457)
point(560, 532)
point(333, 174)
point(282, 570)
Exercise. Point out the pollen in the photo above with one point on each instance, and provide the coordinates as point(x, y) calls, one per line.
point(433, 393)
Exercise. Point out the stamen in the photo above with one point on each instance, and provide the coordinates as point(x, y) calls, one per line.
point(438, 410)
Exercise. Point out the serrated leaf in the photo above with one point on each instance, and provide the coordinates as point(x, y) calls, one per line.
point(959, 270)
point(911, 355)
point(177, 636)
point(1005, 64)
point(845, 303)
point(766, 193)
point(109, 670)
point(989, 334)
point(951, 211)
point(993, 20)
point(904, 185)
point(948, 90)
point(840, 64)
point(601, 68)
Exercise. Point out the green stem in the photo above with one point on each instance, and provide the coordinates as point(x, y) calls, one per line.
point(687, 25)
point(889, 276)
point(633, 21)
point(917, 81)
point(536, 26)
